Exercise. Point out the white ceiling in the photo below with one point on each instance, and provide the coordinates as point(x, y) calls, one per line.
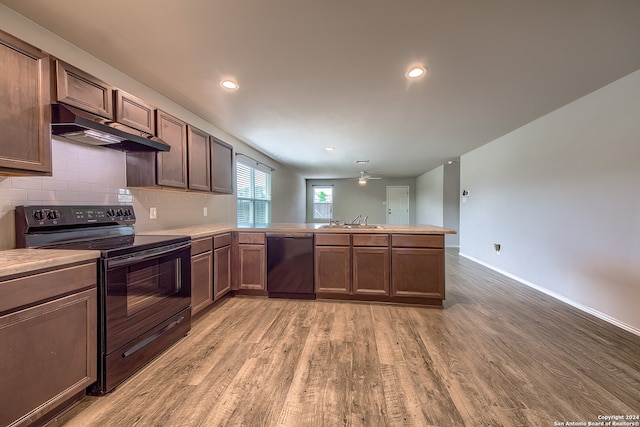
point(324, 73)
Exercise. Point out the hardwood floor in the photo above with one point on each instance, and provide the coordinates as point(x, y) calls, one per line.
point(498, 354)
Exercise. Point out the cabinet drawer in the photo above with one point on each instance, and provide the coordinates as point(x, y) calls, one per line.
point(336, 239)
point(370, 240)
point(221, 240)
point(29, 290)
point(251, 238)
point(417, 241)
point(201, 245)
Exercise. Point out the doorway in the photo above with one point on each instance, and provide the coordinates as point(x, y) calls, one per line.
point(397, 204)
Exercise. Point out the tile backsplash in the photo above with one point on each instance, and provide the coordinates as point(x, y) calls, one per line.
point(84, 174)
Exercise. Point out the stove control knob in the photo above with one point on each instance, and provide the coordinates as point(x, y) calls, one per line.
point(53, 214)
point(120, 212)
point(128, 212)
point(110, 212)
point(39, 215)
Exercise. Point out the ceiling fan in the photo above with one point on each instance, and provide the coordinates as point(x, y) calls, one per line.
point(364, 177)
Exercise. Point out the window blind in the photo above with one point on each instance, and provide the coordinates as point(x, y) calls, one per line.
point(253, 194)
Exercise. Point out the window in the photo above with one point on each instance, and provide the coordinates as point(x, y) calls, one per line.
point(322, 202)
point(254, 195)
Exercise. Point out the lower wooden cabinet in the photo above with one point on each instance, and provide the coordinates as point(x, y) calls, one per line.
point(417, 263)
point(371, 271)
point(49, 343)
point(333, 270)
point(201, 274)
point(251, 265)
point(221, 265)
point(418, 273)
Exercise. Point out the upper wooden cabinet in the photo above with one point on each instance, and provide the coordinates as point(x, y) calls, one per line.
point(134, 112)
point(25, 114)
point(172, 165)
point(221, 166)
point(81, 90)
point(199, 159)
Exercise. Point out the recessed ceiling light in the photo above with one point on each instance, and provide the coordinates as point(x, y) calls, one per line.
point(362, 162)
point(229, 84)
point(330, 148)
point(415, 72)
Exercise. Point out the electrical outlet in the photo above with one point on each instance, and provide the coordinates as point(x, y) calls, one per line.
point(153, 213)
point(204, 211)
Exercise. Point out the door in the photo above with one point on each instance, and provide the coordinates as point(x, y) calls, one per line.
point(397, 204)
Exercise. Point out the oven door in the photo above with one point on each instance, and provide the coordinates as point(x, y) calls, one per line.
point(142, 290)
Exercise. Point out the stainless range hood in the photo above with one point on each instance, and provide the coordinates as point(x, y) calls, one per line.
point(80, 126)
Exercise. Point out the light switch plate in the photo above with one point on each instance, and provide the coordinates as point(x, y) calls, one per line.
point(153, 213)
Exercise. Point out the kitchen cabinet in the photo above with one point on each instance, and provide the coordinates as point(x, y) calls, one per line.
point(166, 168)
point(196, 161)
point(250, 269)
point(25, 113)
point(171, 165)
point(201, 274)
point(371, 264)
point(221, 167)
point(417, 267)
point(78, 89)
point(134, 112)
point(221, 265)
point(49, 340)
point(199, 159)
point(332, 264)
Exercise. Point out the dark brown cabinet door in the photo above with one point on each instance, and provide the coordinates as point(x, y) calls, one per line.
point(199, 159)
point(252, 267)
point(25, 114)
point(48, 336)
point(172, 165)
point(221, 167)
point(333, 269)
point(221, 271)
point(371, 271)
point(135, 113)
point(81, 90)
point(417, 273)
point(201, 281)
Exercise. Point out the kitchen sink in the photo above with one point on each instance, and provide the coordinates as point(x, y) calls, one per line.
point(354, 226)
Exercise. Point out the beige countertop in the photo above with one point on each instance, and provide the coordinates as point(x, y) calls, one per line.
point(19, 261)
point(200, 231)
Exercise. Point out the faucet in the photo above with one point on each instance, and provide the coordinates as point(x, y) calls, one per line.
point(366, 218)
point(356, 218)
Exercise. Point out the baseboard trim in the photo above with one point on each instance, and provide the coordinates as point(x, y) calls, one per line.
point(586, 309)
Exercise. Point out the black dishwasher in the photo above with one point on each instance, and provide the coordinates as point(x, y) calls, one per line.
point(290, 265)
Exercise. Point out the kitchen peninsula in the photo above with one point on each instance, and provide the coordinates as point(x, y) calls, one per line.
point(388, 263)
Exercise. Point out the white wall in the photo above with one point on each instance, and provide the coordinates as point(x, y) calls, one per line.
point(561, 196)
point(430, 197)
point(94, 175)
point(438, 199)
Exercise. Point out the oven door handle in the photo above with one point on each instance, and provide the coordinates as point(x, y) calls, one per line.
point(145, 255)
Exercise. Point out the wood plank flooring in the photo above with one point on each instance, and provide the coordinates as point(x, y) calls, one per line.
point(497, 354)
